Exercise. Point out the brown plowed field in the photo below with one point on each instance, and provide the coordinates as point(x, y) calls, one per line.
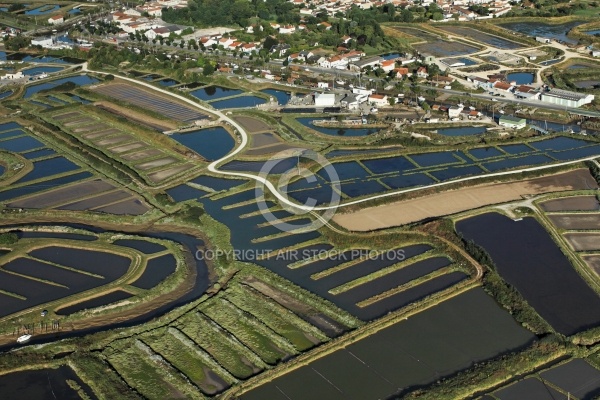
point(574, 222)
point(583, 241)
point(63, 195)
point(593, 262)
point(455, 201)
point(575, 203)
point(253, 125)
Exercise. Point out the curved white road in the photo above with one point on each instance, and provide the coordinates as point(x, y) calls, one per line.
point(282, 197)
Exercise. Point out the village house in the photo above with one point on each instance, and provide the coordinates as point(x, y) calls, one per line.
point(502, 86)
point(55, 20)
point(378, 100)
point(401, 72)
point(287, 29)
point(422, 72)
point(446, 80)
point(387, 65)
point(248, 47)
point(364, 63)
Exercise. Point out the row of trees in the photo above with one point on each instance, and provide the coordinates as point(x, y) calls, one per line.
point(103, 55)
point(230, 12)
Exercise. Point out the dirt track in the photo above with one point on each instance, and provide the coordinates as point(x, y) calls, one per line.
point(454, 201)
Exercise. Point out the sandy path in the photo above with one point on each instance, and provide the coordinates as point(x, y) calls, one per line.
point(454, 201)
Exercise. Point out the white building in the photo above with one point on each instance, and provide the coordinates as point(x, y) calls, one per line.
point(362, 91)
point(454, 112)
point(566, 98)
point(512, 122)
point(16, 75)
point(43, 41)
point(378, 100)
point(55, 20)
point(324, 100)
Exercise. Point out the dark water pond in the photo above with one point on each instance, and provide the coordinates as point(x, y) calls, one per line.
point(9, 126)
point(433, 159)
point(217, 183)
point(49, 167)
point(144, 246)
point(189, 242)
point(42, 384)
point(457, 172)
point(437, 342)
point(210, 143)
point(79, 99)
point(554, 31)
point(516, 148)
point(238, 102)
point(157, 270)
point(39, 70)
point(43, 10)
point(485, 152)
point(521, 78)
point(184, 192)
point(30, 189)
point(168, 82)
point(100, 301)
point(21, 144)
point(281, 96)
point(78, 80)
point(525, 161)
point(527, 258)
point(587, 84)
point(215, 92)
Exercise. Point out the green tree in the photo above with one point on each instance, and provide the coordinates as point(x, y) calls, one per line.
point(8, 238)
point(208, 69)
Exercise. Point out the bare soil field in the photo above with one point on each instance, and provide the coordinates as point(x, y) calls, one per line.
point(127, 207)
point(253, 125)
point(263, 139)
point(159, 176)
point(583, 241)
point(266, 143)
point(127, 147)
point(97, 135)
point(269, 149)
point(113, 140)
point(156, 163)
point(151, 101)
point(68, 115)
point(97, 201)
point(142, 154)
point(88, 128)
point(575, 203)
point(454, 201)
point(80, 121)
point(574, 222)
point(101, 133)
point(63, 195)
point(593, 262)
point(144, 119)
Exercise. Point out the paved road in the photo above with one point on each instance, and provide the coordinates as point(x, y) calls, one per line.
point(213, 167)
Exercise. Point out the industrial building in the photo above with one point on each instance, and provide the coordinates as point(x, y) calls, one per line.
point(512, 122)
point(324, 100)
point(566, 98)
